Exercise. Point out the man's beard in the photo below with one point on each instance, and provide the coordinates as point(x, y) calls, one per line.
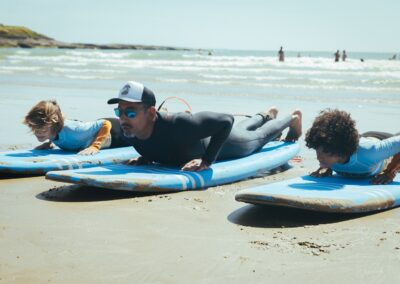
point(128, 135)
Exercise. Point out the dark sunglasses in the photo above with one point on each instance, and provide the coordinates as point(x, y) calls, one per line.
point(129, 113)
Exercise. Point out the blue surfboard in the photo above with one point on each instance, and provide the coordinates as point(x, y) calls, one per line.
point(157, 178)
point(43, 161)
point(329, 194)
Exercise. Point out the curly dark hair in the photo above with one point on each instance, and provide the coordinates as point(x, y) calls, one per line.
point(335, 132)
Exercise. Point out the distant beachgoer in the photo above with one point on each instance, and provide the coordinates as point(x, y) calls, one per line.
point(209, 53)
point(48, 123)
point(340, 148)
point(337, 56)
point(344, 55)
point(281, 55)
point(393, 57)
point(362, 59)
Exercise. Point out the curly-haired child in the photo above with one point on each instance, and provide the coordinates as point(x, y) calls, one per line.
point(340, 148)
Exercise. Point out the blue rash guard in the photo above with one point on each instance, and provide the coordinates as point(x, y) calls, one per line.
point(77, 135)
point(369, 158)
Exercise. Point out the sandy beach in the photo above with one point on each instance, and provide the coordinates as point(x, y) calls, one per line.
point(58, 233)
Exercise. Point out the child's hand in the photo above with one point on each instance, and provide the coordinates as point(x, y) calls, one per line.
point(382, 178)
point(322, 172)
point(45, 146)
point(89, 151)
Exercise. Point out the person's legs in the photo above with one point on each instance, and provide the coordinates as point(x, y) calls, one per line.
point(295, 127)
point(377, 134)
point(242, 142)
point(272, 129)
point(258, 120)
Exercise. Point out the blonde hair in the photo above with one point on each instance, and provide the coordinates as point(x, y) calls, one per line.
point(45, 114)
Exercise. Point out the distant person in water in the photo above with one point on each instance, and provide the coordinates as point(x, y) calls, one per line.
point(340, 148)
point(393, 57)
point(344, 55)
point(193, 142)
point(48, 123)
point(362, 59)
point(337, 56)
point(281, 55)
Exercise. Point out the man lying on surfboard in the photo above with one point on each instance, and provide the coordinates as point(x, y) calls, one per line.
point(193, 141)
point(340, 148)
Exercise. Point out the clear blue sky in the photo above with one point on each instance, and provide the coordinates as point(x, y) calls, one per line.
point(355, 25)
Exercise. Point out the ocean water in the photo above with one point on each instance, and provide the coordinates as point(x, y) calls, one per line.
point(240, 82)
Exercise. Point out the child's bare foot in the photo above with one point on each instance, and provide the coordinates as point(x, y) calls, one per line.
point(294, 132)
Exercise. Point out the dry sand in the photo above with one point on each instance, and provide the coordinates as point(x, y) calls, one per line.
point(56, 233)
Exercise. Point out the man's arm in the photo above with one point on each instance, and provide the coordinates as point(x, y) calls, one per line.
point(208, 124)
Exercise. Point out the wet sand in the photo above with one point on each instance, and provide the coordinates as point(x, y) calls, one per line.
point(57, 233)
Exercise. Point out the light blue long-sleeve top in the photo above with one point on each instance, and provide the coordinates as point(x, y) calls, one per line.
point(77, 135)
point(369, 158)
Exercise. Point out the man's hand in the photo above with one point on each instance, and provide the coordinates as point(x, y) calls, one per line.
point(322, 172)
point(382, 178)
point(45, 146)
point(138, 161)
point(195, 165)
point(89, 151)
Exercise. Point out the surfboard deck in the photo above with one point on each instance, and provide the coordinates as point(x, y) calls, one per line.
point(157, 178)
point(30, 162)
point(329, 194)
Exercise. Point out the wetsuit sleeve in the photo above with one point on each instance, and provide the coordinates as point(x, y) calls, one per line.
point(393, 167)
point(102, 135)
point(207, 124)
point(384, 149)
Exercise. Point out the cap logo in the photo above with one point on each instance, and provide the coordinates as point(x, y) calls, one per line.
point(125, 90)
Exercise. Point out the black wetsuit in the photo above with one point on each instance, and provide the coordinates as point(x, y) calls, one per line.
point(181, 137)
point(379, 134)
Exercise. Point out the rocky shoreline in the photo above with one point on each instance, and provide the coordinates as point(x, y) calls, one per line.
point(21, 37)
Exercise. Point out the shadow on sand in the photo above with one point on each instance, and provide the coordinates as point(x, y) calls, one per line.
point(78, 193)
point(264, 216)
point(4, 176)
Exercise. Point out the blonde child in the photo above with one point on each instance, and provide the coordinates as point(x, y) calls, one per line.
point(87, 138)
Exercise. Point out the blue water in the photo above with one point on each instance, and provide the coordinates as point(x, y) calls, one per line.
point(230, 81)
